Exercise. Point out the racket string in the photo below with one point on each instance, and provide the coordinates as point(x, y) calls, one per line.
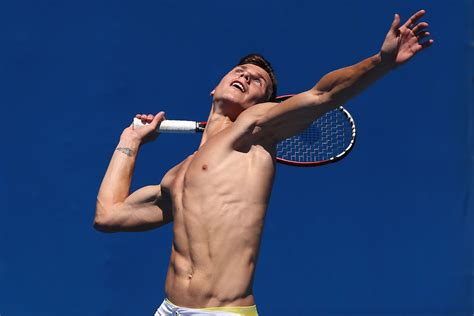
point(325, 139)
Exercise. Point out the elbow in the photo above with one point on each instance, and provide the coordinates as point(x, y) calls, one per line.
point(324, 100)
point(102, 227)
point(320, 94)
point(102, 222)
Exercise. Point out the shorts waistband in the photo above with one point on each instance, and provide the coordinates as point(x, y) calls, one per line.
point(240, 310)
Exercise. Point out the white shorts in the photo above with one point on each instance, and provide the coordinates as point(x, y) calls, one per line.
point(169, 309)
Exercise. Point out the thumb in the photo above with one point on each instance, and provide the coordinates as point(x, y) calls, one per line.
point(395, 23)
point(157, 119)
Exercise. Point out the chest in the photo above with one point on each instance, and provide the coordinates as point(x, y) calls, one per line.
point(214, 171)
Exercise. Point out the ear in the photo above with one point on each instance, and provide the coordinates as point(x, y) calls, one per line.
point(212, 92)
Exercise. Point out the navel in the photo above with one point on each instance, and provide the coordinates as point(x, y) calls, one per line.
point(204, 167)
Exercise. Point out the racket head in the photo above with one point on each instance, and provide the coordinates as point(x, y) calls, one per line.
point(328, 139)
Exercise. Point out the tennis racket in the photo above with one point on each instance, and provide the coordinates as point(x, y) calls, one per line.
point(328, 139)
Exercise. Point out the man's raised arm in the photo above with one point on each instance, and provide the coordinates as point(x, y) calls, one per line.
point(334, 89)
point(116, 208)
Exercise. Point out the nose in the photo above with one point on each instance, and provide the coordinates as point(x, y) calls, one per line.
point(246, 75)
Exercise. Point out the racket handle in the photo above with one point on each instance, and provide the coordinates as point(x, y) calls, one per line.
point(172, 126)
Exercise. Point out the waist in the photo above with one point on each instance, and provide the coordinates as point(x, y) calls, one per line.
point(211, 285)
point(230, 310)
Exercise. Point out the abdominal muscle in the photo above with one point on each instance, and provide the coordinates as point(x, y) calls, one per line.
point(219, 197)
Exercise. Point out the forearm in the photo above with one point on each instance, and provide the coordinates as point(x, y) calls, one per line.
point(343, 84)
point(115, 187)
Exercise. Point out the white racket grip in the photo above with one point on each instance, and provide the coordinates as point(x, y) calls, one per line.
point(171, 126)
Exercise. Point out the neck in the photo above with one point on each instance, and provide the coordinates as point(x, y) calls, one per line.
point(217, 121)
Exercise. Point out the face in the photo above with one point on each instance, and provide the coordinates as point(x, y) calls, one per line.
point(244, 86)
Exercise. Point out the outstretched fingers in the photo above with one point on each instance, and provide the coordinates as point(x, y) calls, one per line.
point(414, 18)
point(422, 35)
point(421, 45)
point(426, 44)
point(403, 42)
point(419, 27)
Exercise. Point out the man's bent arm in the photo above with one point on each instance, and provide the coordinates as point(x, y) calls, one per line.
point(337, 87)
point(116, 209)
point(334, 89)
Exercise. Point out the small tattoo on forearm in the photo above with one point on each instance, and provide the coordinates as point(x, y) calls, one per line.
point(126, 151)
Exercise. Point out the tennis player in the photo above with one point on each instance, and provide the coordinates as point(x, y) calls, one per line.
point(218, 196)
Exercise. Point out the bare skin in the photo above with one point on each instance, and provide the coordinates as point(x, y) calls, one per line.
point(217, 197)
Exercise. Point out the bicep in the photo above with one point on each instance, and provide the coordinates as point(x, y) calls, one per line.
point(144, 209)
point(293, 115)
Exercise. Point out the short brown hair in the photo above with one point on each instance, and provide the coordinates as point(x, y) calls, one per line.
point(260, 61)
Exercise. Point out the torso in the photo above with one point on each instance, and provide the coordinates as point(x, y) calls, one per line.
point(220, 196)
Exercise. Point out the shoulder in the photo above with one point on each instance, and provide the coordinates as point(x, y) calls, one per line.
point(251, 116)
point(276, 121)
point(246, 124)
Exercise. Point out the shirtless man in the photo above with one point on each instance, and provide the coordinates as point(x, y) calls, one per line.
point(218, 196)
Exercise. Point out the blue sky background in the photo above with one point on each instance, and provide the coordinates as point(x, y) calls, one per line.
point(386, 231)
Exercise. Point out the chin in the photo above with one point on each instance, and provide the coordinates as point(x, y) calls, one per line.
point(230, 98)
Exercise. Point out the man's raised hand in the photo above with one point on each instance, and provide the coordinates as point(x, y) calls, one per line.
point(147, 132)
point(404, 42)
